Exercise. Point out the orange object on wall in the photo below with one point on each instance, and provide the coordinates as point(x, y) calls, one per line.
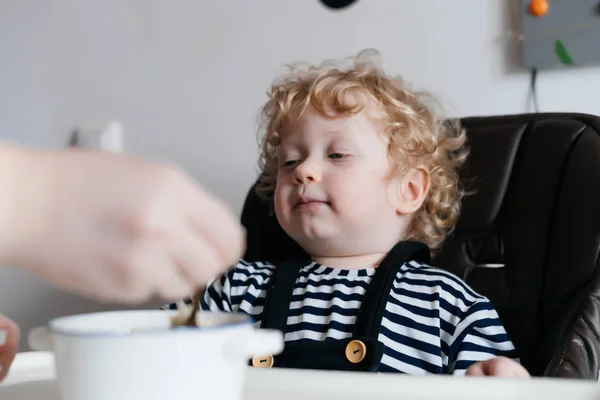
point(539, 7)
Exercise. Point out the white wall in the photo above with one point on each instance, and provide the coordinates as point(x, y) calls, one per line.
point(186, 78)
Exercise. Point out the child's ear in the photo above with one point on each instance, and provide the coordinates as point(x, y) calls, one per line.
point(413, 188)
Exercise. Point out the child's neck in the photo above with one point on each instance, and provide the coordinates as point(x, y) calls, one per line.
point(361, 261)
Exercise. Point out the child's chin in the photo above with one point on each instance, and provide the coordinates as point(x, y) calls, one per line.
point(316, 237)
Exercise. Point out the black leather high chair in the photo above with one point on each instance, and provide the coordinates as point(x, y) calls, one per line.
point(528, 239)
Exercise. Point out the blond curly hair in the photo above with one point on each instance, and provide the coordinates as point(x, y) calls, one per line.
point(414, 131)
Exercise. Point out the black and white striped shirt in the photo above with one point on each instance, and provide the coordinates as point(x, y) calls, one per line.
point(433, 322)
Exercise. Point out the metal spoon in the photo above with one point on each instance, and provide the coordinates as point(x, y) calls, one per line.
point(181, 318)
point(196, 307)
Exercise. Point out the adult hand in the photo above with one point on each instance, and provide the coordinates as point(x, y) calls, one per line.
point(110, 227)
point(9, 344)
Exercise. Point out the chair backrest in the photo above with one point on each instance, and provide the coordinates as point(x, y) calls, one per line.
point(528, 238)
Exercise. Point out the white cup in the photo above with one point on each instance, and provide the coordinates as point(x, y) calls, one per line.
point(136, 355)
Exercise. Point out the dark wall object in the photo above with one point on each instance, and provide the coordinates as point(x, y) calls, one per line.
point(337, 4)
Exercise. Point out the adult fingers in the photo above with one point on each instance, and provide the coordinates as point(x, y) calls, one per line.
point(9, 344)
point(219, 227)
point(198, 258)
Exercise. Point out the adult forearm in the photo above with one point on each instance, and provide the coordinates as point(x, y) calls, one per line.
point(12, 165)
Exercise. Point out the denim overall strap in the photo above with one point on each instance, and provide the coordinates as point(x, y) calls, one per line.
point(279, 294)
point(370, 315)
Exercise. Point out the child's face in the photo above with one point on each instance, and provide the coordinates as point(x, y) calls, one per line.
point(336, 191)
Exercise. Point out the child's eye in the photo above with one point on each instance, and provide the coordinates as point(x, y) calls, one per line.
point(290, 163)
point(336, 156)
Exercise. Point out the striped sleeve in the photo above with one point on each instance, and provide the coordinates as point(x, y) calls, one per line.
point(479, 336)
point(241, 289)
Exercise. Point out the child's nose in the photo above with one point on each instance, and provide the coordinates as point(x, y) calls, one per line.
point(308, 171)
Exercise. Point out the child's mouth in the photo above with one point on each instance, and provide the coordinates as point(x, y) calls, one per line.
point(305, 202)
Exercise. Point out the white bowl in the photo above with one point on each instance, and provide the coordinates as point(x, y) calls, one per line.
point(137, 355)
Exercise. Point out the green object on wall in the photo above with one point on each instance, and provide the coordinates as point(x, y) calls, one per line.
point(562, 53)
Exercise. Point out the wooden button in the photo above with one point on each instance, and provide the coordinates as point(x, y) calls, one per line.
point(356, 351)
point(263, 362)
